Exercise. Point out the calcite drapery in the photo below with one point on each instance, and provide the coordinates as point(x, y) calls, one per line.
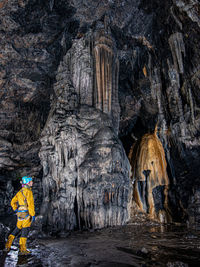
point(86, 180)
point(106, 75)
point(150, 177)
point(92, 69)
point(107, 70)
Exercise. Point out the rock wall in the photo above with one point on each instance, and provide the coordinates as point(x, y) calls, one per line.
point(164, 79)
point(151, 47)
point(30, 48)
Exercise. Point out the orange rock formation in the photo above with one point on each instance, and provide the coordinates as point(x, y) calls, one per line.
point(149, 170)
point(107, 69)
point(3, 3)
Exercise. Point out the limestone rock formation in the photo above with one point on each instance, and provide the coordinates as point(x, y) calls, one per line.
point(194, 208)
point(30, 48)
point(86, 174)
point(3, 232)
point(106, 78)
point(72, 52)
point(149, 174)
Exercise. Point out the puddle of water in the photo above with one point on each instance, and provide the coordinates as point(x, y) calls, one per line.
point(12, 257)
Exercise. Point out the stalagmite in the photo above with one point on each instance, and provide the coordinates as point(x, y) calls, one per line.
point(150, 177)
point(86, 174)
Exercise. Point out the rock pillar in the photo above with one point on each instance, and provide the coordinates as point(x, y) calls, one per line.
point(86, 174)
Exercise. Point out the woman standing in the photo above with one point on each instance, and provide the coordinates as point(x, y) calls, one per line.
point(23, 204)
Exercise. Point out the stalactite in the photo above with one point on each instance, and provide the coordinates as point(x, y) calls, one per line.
point(104, 68)
point(178, 50)
point(107, 69)
point(76, 72)
point(51, 4)
point(150, 177)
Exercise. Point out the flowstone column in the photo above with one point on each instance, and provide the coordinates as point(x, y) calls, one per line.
point(86, 174)
point(150, 177)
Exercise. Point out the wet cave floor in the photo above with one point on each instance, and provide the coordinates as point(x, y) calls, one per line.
point(130, 245)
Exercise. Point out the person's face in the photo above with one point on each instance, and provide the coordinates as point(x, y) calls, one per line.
point(30, 183)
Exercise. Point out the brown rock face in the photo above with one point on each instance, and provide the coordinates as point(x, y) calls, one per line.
point(150, 177)
point(107, 76)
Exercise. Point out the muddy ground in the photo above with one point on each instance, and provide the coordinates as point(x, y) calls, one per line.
point(135, 244)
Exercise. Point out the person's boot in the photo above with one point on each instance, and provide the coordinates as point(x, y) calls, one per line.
point(9, 242)
point(22, 246)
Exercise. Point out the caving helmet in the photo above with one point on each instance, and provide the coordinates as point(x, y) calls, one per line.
point(26, 179)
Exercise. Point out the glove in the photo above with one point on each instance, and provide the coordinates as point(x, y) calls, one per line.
point(33, 219)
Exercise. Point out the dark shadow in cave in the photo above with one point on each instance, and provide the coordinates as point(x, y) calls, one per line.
point(134, 134)
point(76, 211)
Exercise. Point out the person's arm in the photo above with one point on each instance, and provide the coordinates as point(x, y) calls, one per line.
point(14, 202)
point(30, 202)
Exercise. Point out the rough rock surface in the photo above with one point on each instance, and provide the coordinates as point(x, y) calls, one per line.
point(150, 179)
point(3, 232)
point(31, 34)
point(86, 173)
point(157, 46)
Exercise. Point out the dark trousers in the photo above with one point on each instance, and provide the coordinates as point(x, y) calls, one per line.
point(24, 231)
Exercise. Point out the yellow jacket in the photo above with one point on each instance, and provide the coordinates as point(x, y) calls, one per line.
point(18, 200)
